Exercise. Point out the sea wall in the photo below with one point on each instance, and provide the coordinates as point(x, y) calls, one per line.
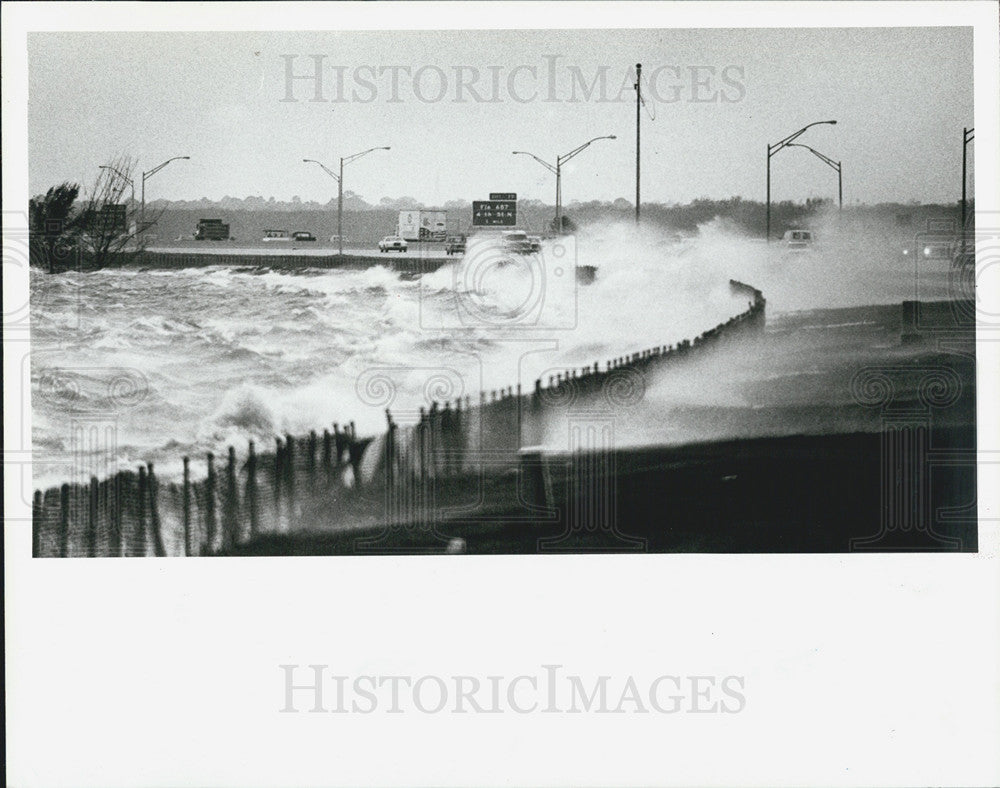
point(178, 259)
point(457, 456)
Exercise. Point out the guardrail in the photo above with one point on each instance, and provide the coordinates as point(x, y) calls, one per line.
point(336, 479)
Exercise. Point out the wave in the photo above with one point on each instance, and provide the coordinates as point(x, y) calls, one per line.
point(237, 354)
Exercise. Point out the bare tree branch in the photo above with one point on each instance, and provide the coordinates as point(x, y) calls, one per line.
point(111, 216)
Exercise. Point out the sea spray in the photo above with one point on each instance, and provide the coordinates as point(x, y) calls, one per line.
point(232, 354)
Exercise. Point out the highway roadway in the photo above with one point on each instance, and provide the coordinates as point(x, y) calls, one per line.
point(415, 251)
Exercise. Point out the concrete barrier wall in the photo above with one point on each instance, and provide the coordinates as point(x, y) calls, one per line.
point(404, 263)
point(443, 464)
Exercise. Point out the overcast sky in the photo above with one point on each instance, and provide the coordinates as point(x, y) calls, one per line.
point(454, 105)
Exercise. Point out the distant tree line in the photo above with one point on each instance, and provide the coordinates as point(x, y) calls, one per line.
point(109, 228)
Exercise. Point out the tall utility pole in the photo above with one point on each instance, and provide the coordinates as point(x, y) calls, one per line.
point(638, 116)
point(967, 136)
point(340, 209)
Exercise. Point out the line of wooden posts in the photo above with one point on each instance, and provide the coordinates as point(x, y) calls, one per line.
point(320, 478)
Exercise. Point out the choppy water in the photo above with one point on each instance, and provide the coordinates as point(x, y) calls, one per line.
point(188, 361)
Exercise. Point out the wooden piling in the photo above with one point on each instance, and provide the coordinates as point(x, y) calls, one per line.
point(159, 547)
point(279, 454)
point(290, 470)
point(115, 518)
point(311, 459)
point(210, 523)
point(338, 444)
point(37, 515)
point(231, 503)
point(390, 454)
point(104, 512)
point(355, 453)
point(64, 521)
point(92, 518)
point(187, 506)
point(141, 508)
point(327, 454)
point(251, 492)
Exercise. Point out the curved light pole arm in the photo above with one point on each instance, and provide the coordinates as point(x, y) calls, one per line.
point(121, 175)
point(159, 167)
point(544, 163)
point(326, 169)
point(825, 159)
point(567, 156)
point(772, 149)
point(355, 156)
point(116, 171)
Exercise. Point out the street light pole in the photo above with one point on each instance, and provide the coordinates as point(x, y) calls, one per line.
point(967, 136)
point(340, 189)
point(340, 209)
point(559, 223)
point(771, 150)
point(836, 165)
point(638, 117)
point(557, 170)
point(767, 231)
point(150, 174)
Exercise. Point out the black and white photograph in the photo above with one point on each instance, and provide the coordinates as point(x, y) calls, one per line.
point(430, 341)
point(566, 294)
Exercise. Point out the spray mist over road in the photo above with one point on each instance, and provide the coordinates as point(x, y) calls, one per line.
point(214, 356)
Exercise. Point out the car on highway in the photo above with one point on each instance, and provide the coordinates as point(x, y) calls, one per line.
point(275, 235)
point(392, 243)
point(536, 243)
point(516, 242)
point(302, 235)
point(455, 244)
point(798, 240)
point(932, 249)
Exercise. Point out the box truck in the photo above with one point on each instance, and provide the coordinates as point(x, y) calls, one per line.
point(423, 225)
